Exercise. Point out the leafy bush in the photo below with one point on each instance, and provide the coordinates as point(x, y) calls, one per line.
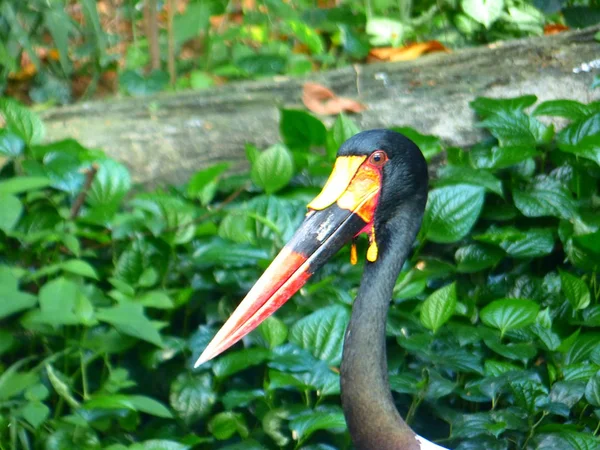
point(108, 295)
point(57, 51)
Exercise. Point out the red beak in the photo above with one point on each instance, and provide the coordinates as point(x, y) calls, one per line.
point(344, 209)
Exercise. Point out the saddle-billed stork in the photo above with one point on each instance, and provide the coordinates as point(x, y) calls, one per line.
point(378, 186)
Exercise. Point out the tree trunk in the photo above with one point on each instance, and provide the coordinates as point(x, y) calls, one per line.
point(166, 138)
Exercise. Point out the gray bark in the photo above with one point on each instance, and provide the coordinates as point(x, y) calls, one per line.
point(166, 138)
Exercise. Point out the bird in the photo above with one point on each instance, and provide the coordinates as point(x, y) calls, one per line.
point(378, 186)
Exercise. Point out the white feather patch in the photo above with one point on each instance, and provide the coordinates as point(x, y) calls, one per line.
point(428, 445)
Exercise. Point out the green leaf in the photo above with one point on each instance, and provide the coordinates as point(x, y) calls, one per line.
point(11, 145)
point(18, 185)
point(79, 267)
point(63, 303)
point(510, 314)
point(273, 169)
point(35, 413)
point(60, 383)
point(10, 212)
point(569, 109)
point(343, 129)
point(11, 299)
point(203, 184)
point(575, 290)
point(156, 299)
point(132, 402)
point(307, 35)
point(544, 196)
point(110, 185)
point(451, 212)
point(429, 145)
point(532, 243)
point(274, 331)
point(224, 425)
point(301, 130)
point(239, 399)
point(592, 390)
point(451, 175)
point(306, 424)
point(486, 12)
point(485, 106)
point(234, 362)
point(322, 333)
point(192, 396)
point(129, 318)
point(514, 129)
point(582, 138)
point(476, 257)
point(21, 121)
point(157, 444)
point(500, 157)
point(439, 307)
point(262, 64)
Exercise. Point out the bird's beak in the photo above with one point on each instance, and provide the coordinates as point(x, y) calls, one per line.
point(344, 208)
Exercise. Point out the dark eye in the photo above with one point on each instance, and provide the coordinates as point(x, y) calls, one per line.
point(378, 158)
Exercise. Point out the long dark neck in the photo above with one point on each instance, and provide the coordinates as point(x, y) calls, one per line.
point(372, 418)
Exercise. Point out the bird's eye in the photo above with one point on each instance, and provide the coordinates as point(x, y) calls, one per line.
point(378, 158)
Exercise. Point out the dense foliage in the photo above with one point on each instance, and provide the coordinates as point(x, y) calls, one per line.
point(60, 50)
point(108, 295)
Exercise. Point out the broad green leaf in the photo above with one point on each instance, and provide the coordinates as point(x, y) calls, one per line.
point(486, 12)
point(307, 35)
point(35, 412)
point(129, 318)
point(429, 145)
point(239, 399)
point(343, 129)
point(110, 185)
point(575, 290)
point(532, 243)
point(63, 303)
point(155, 299)
point(306, 424)
point(569, 109)
point(384, 31)
point(274, 218)
point(452, 175)
point(11, 145)
point(517, 129)
point(476, 257)
point(23, 122)
point(133, 402)
point(11, 299)
point(233, 362)
point(592, 390)
point(10, 212)
point(300, 129)
point(451, 212)
point(203, 184)
point(79, 267)
point(60, 383)
point(437, 309)
point(157, 444)
point(262, 64)
point(485, 106)
point(500, 157)
point(322, 333)
point(273, 169)
point(18, 185)
point(544, 196)
point(509, 314)
point(274, 331)
point(192, 396)
point(224, 425)
point(582, 138)
point(13, 382)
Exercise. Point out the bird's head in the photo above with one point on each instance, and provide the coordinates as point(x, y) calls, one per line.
point(378, 176)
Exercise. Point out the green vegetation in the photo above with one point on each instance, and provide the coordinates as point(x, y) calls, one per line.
point(61, 50)
point(107, 295)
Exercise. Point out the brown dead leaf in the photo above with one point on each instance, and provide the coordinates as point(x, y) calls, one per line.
point(320, 100)
point(406, 53)
point(554, 28)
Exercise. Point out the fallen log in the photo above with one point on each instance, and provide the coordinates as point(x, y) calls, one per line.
point(166, 138)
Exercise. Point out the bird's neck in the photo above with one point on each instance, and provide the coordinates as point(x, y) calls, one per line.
point(371, 415)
